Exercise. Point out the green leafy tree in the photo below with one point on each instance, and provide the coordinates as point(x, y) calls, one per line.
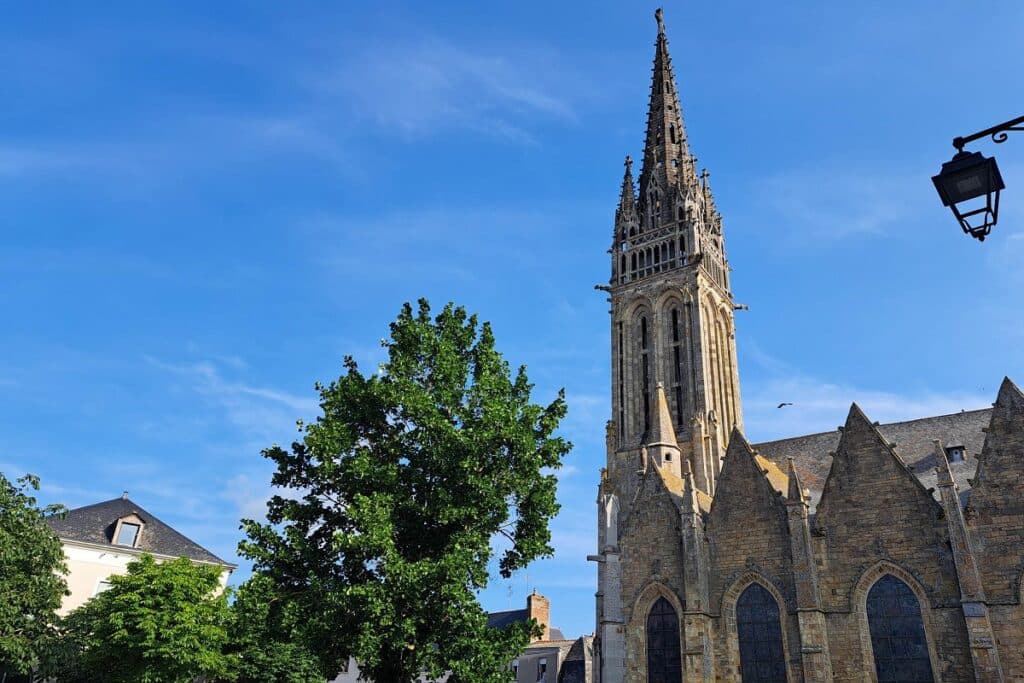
point(31, 573)
point(159, 623)
point(262, 638)
point(399, 492)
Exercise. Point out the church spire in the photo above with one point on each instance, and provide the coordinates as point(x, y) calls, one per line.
point(666, 152)
point(626, 211)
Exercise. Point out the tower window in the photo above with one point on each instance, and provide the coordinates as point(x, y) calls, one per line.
point(677, 369)
point(672, 133)
point(645, 373)
point(622, 391)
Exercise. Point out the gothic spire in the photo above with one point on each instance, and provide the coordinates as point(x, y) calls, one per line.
point(627, 199)
point(665, 149)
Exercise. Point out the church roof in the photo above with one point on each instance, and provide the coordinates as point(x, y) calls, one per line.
point(675, 486)
point(95, 524)
point(914, 444)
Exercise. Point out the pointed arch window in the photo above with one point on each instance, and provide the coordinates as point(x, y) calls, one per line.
point(897, 633)
point(664, 663)
point(645, 372)
point(622, 381)
point(762, 658)
point(677, 367)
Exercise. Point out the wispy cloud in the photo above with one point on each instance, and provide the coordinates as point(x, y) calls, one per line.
point(821, 406)
point(431, 85)
point(259, 413)
point(833, 204)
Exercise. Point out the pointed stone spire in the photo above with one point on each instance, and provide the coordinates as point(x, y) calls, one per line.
point(625, 214)
point(661, 437)
point(796, 493)
point(1001, 463)
point(665, 149)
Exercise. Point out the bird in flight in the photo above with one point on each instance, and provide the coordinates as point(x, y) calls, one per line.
point(783, 404)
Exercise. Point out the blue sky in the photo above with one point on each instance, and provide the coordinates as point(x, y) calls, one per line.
point(203, 208)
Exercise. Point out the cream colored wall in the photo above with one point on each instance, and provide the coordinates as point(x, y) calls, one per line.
point(89, 565)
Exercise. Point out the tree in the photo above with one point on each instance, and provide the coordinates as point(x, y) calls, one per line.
point(160, 623)
point(397, 494)
point(262, 641)
point(32, 572)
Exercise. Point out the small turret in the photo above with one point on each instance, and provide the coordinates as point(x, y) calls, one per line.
point(662, 447)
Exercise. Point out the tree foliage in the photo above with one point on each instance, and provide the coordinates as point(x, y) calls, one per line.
point(262, 638)
point(31, 573)
point(159, 623)
point(396, 495)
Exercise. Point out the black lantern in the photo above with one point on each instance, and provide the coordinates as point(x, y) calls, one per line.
point(967, 176)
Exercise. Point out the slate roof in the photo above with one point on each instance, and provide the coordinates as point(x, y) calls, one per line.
point(913, 440)
point(503, 619)
point(95, 524)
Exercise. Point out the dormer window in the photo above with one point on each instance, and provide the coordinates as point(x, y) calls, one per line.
point(128, 531)
point(127, 534)
point(955, 453)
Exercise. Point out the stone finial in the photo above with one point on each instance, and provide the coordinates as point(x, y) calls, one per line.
point(795, 492)
point(942, 471)
point(659, 16)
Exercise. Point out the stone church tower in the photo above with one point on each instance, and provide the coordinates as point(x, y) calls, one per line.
point(673, 341)
point(876, 553)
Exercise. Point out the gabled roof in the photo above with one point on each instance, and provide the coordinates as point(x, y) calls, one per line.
point(914, 444)
point(95, 524)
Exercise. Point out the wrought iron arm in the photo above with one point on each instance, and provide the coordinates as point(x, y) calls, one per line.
point(998, 133)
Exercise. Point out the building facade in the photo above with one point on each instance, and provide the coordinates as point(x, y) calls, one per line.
point(550, 658)
point(873, 553)
point(100, 541)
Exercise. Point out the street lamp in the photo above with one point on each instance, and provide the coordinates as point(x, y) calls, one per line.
point(968, 176)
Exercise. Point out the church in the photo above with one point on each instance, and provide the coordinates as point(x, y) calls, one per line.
point(878, 552)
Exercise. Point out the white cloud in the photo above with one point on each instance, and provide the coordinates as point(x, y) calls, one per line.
point(821, 406)
point(259, 413)
point(422, 87)
point(833, 204)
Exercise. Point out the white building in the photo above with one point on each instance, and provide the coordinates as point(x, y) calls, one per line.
point(101, 539)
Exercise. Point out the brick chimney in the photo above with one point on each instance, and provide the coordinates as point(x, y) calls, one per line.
point(538, 607)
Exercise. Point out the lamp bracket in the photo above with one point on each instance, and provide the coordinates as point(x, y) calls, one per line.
point(998, 133)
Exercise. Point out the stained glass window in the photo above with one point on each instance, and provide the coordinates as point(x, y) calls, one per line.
point(897, 633)
point(664, 664)
point(762, 657)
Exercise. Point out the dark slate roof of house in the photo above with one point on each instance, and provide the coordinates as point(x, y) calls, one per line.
point(503, 619)
point(913, 440)
point(96, 523)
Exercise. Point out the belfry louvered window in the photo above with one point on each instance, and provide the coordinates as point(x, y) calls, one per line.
point(897, 633)
point(762, 657)
point(664, 663)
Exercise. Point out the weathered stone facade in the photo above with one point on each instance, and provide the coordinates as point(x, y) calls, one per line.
point(903, 560)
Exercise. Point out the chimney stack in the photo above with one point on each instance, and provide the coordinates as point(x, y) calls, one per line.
point(538, 607)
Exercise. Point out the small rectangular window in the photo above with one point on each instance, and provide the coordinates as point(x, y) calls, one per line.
point(127, 534)
point(103, 585)
point(542, 670)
